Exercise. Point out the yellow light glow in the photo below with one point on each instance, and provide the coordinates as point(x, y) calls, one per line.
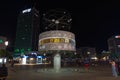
point(31, 58)
point(54, 40)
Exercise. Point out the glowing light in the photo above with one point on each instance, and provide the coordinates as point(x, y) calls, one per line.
point(117, 36)
point(119, 46)
point(44, 54)
point(0, 60)
point(94, 58)
point(6, 43)
point(26, 56)
point(3, 59)
point(31, 58)
point(57, 22)
point(39, 56)
point(23, 60)
point(53, 20)
point(55, 40)
point(64, 12)
point(88, 52)
point(26, 10)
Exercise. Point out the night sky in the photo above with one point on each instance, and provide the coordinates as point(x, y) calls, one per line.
point(92, 22)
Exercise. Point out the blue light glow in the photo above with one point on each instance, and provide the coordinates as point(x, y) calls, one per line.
point(39, 56)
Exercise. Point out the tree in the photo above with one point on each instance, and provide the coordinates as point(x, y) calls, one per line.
point(4, 53)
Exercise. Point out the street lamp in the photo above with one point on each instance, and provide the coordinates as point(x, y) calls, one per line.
point(6, 44)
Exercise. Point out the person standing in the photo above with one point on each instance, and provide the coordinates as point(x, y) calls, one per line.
point(114, 69)
point(86, 65)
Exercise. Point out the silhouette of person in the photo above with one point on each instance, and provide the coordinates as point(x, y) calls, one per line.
point(114, 69)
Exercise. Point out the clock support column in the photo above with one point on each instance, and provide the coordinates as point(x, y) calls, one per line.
point(57, 62)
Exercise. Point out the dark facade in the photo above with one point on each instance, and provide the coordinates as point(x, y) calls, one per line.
point(87, 52)
point(114, 44)
point(27, 32)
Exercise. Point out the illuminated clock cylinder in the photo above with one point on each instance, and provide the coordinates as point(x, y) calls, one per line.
point(57, 40)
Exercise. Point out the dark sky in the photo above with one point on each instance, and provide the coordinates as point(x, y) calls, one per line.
point(93, 22)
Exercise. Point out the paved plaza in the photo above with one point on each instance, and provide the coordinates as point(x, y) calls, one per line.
point(36, 72)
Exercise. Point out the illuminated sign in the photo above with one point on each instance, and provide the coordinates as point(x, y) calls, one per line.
point(26, 10)
point(55, 40)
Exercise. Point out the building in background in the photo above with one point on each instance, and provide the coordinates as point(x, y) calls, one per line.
point(87, 52)
point(27, 36)
point(27, 32)
point(114, 45)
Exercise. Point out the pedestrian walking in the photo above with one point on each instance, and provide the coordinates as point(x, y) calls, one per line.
point(114, 69)
point(12, 63)
point(86, 64)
